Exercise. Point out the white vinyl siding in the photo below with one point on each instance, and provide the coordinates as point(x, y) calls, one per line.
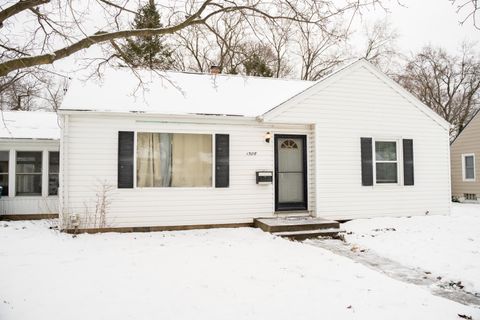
point(359, 103)
point(89, 160)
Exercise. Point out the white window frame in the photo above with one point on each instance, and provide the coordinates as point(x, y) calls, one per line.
point(135, 186)
point(48, 152)
point(398, 162)
point(8, 173)
point(464, 155)
point(41, 173)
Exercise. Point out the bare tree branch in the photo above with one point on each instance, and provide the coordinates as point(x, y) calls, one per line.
point(18, 7)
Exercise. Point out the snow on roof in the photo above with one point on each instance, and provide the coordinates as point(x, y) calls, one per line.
point(180, 93)
point(29, 125)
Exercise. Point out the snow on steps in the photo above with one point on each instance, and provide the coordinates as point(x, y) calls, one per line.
point(299, 228)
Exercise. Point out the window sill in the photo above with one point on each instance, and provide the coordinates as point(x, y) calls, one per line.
point(170, 188)
point(387, 186)
point(29, 197)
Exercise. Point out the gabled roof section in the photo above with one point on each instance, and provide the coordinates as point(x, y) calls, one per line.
point(180, 93)
point(29, 125)
point(339, 74)
point(467, 125)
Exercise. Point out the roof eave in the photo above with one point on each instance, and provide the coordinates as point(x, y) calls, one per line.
point(239, 118)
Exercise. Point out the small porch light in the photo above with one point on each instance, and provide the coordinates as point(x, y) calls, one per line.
point(268, 136)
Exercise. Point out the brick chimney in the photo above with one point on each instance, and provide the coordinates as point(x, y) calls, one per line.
point(215, 70)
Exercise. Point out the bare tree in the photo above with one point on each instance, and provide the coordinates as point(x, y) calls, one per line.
point(56, 29)
point(468, 10)
point(193, 50)
point(380, 47)
point(320, 50)
point(20, 94)
point(228, 45)
point(278, 38)
point(32, 91)
point(449, 84)
point(230, 37)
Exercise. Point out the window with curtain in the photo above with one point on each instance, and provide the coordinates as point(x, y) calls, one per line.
point(174, 160)
point(29, 173)
point(53, 169)
point(386, 162)
point(4, 155)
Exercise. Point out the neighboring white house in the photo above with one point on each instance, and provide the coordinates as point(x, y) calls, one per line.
point(29, 164)
point(184, 149)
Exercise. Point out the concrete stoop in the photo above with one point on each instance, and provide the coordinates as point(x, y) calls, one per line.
point(299, 228)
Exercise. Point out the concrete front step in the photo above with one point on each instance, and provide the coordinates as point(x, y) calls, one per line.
point(306, 234)
point(293, 224)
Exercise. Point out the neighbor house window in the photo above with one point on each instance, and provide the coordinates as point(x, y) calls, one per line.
point(468, 167)
point(29, 173)
point(174, 160)
point(470, 196)
point(386, 162)
point(53, 169)
point(4, 172)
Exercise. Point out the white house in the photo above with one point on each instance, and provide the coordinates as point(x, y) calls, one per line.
point(184, 150)
point(29, 164)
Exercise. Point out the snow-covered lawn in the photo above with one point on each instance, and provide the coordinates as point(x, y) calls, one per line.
point(208, 274)
point(446, 246)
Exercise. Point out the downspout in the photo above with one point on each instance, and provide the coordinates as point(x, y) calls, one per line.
point(63, 200)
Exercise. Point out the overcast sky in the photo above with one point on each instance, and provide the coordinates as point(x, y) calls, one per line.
point(418, 23)
point(428, 21)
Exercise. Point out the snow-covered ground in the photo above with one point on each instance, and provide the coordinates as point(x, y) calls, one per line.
point(446, 246)
point(204, 274)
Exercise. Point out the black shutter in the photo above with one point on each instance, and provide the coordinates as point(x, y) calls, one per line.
point(367, 165)
point(408, 177)
point(125, 159)
point(222, 160)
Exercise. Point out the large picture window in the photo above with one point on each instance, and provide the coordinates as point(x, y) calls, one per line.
point(53, 169)
point(29, 173)
point(4, 155)
point(174, 160)
point(386, 162)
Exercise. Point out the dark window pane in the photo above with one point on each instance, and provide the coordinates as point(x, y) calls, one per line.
point(386, 173)
point(29, 162)
point(53, 184)
point(385, 151)
point(53, 162)
point(469, 161)
point(29, 184)
point(469, 167)
point(3, 161)
point(4, 184)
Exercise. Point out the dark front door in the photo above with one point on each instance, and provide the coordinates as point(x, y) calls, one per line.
point(290, 172)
